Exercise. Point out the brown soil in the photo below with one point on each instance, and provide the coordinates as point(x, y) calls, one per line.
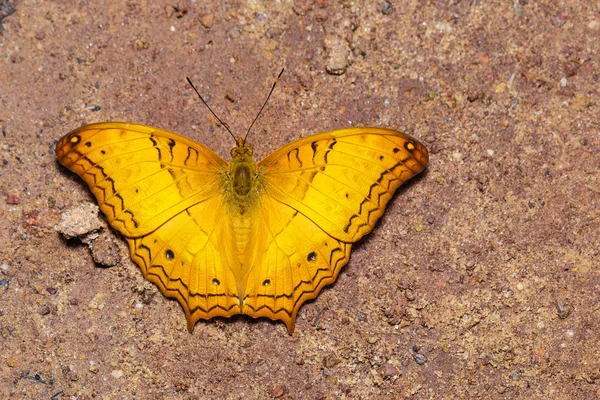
point(480, 282)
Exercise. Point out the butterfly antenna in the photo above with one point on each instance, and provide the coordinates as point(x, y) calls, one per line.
point(264, 104)
point(210, 109)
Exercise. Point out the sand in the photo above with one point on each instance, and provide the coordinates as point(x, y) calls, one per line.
point(481, 281)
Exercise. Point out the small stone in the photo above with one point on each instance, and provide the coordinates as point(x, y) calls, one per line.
point(51, 290)
point(12, 199)
point(44, 309)
point(387, 8)
point(141, 45)
point(321, 15)
point(234, 33)
point(501, 87)
point(420, 358)
point(278, 390)
point(79, 220)
point(147, 296)
point(389, 371)
point(11, 361)
point(337, 53)
point(594, 25)
point(207, 20)
point(563, 309)
point(117, 373)
point(40, 35)
point(419, 226)
point(330, 361)
point(105, 250)
point(69, 373)
point(372, 340)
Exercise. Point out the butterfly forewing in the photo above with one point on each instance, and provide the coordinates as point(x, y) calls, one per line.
point(342, 180)
point(141, 176)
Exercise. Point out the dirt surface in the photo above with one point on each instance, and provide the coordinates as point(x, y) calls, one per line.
point(481, 281)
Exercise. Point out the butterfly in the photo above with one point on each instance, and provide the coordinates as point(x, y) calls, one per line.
point(258, 239)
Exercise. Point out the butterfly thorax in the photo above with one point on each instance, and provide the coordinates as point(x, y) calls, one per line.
point(242, 172)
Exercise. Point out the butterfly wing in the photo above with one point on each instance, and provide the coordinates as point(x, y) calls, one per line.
point(187, 259)
point(297, 259)
point(163, 192)
point(321, 194)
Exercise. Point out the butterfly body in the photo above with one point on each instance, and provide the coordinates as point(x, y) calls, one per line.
point(242, 237)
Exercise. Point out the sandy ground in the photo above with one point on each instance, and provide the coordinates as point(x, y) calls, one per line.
point(480, 282)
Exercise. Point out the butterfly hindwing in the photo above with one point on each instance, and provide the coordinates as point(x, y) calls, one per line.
point(296, 261)
point(185, 258)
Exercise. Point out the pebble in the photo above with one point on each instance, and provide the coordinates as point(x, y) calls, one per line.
point(389, 371)
point(105, 251)
point(420, 358)
point(278, 390)
point(337, 52)
point(44, 309)
point(594, 25)
point(234, 32)
point(79, 220)
point(330, 361)
point(12, 199)
point(387, 8)
point(117, 373)
point(563, 309)
point(207, 20)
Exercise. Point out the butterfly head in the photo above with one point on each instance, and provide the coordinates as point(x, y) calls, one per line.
point(241, 150)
